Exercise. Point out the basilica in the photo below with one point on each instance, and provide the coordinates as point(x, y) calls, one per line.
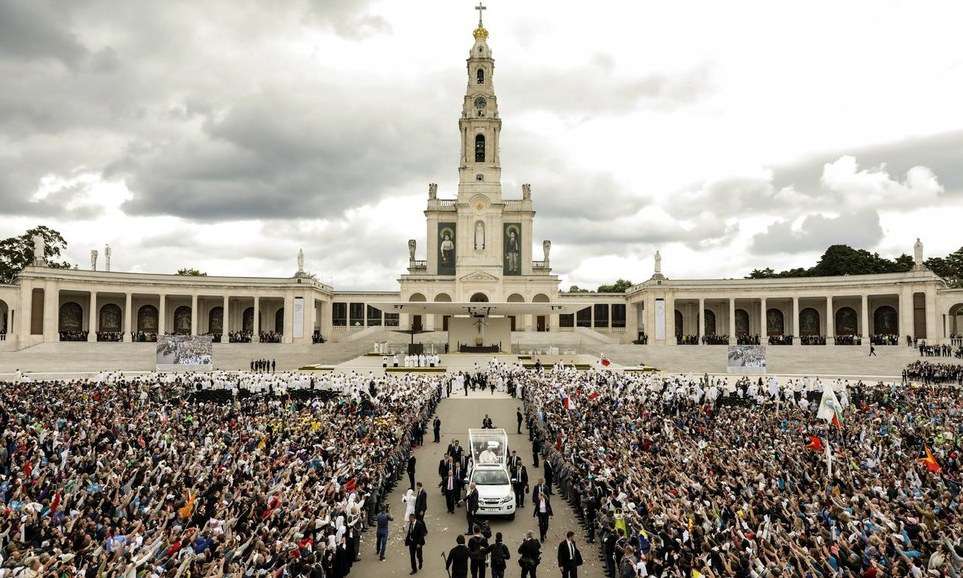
point(484, 279)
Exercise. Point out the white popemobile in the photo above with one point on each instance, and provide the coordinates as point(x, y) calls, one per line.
point(489, 472)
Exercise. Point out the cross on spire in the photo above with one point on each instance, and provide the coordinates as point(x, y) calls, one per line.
point(480, 7)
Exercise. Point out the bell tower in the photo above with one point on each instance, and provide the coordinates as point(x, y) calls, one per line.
point(480, 170)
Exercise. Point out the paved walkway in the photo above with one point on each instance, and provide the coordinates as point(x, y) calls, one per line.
point(457, 415)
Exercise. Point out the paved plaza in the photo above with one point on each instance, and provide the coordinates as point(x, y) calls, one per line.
point(457, 414)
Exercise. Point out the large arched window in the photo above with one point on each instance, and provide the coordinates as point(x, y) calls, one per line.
point(742, 322)
point(147, 319)
point(480, 75)
point(846, 321)
point(775, 322)
point(710, 322)
point(809, 322)
point(479, 148)
point(479, 298)
point(110, 315)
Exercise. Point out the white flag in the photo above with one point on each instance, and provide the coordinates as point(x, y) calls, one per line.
point(828, 405)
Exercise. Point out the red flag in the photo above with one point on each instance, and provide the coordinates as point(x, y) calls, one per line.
point(930, 462)
point(350, 485)
point(55, 503)
point(835, 421)
point(815, 444)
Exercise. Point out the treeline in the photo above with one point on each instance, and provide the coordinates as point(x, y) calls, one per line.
point(845, 260)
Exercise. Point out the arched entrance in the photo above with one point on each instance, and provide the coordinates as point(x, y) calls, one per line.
point(846, 321)
point(110, 315)
point(4, 310)
point(71, 322)
point(775, 323)
point(885, 321)
point(247, 320)
point(514, 298)
point(147, 319)
point(709, 319)
point(215, 321)
point(742, 323)
point(808, 322)
point(182, 320)
point(442, 298)
point(956, 321)
point(416, 323)
point(541, 321)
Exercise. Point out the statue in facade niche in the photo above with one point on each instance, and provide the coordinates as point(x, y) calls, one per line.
point(479, 236)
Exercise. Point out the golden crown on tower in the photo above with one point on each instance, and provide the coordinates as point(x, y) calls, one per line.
point(480, 33)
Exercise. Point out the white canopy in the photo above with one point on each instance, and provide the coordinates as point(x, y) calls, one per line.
point(478, 309)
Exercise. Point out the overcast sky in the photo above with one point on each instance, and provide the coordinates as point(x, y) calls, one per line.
point(226, 134)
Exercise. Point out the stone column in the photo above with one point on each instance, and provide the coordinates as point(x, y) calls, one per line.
point(830, 322)
point(864, 319)
point(700, 330)
point(327, 322)
point(128, 316)
point(256, 332)
point(194, 314)
point(670, 319)
point(288, 321)
point(51, 312)
point(310, 309)
point(795, 321)
point(732, 321)
point(162, 315)
point(92, 325)
point(763, 329)
point(226, 320)
point(932, 336)
point(25, 317)
point(905, 314)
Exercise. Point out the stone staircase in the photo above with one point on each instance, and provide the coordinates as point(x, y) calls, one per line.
point(787, 360)
point(67, 357)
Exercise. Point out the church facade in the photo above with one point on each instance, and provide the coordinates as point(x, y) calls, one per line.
point(478, 248)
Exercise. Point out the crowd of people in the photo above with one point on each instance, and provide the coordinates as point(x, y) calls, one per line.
point(688, 476)
point(215, 474)
point(264, 365)
point(945, 350)
point(933, 373)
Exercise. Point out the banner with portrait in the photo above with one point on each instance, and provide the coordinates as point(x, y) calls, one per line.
point(746, 359)
point(184, 353)
point(446, 248)
point(512, 243)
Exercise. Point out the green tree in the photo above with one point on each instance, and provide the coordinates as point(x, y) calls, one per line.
point(577, 289)
point(619, 286)
point(191, 272)
point(17, 252)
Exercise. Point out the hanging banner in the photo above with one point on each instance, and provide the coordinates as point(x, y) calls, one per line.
point(659, 319)
point(298, 317)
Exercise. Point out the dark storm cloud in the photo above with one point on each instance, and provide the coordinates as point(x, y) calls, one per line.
point(279, 155)
point(858, 229)
point(37, 29)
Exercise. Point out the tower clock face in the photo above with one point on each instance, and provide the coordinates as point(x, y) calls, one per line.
point(480, 102)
